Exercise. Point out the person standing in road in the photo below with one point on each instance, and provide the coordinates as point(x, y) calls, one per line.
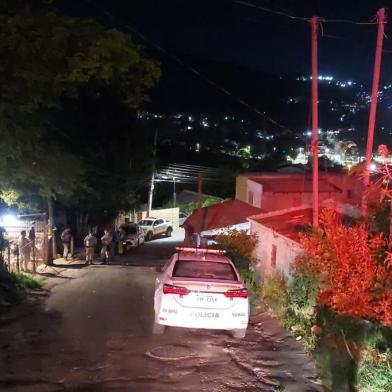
point(113, 246)
point(106, 241)
point(121, 235)
point(66, 237)
point(24, 250)
point(32, 232)
point(90, 243)
point(32, 240)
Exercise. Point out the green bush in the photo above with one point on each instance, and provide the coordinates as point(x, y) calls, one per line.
point(274, 292)
point(350, 354)
point(353, 352)
point(375, 371)
point(251, 278)
point(300, 310)
point(239, 247)
point(14, 286)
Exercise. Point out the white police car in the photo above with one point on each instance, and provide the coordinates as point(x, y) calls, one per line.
point(201, 288)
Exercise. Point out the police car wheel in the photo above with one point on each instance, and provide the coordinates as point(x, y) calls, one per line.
point(158, 329)
point(169, 232)
point(149, 236)
point(238, 333)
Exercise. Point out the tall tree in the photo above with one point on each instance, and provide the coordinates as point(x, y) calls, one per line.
point(48, 62)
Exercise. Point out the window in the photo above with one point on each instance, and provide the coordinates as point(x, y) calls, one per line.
point(204, 270)
point(250, 197)
point(273, 256)
point(131, 229)
point(146, 222)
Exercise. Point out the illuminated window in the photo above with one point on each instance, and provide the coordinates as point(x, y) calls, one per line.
point(273, 256)
point(250, 197)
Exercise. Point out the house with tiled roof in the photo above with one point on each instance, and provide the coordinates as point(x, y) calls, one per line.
point(218, 218)
point(279, 233)
point(276, 191)
point(276, 207)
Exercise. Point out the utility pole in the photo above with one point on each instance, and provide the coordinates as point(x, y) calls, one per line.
point(151, 191)
point(199, 200)
point(51, 237)
point(381, 19)
point(174, 193)
point(314, 23)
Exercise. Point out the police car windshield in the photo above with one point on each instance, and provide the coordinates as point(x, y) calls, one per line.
point(146, 222)
point(203, 270)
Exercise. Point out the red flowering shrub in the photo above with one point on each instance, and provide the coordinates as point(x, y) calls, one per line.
point(355, 279)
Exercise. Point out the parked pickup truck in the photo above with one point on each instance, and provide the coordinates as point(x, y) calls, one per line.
point(154, 227)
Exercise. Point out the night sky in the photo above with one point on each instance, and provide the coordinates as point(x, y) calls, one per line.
point(225, 31)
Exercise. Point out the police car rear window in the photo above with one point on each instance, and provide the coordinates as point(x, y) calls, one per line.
point(203, 270)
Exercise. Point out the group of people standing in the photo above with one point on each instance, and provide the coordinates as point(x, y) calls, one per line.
point(109, 241)
point(108, 245)
point(26, 247)
point(90, 243)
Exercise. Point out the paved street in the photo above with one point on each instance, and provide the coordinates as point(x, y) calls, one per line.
point(93, 333)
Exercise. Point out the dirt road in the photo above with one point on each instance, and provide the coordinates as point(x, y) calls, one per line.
point(92, 333)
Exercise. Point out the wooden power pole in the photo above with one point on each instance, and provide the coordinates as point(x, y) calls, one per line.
point(199, 201)
point(314, 23)
point(381, 18)
point(151, 190)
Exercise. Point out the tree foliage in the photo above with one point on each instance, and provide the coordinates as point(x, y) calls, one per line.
point(239, 245)
point(352, 265)
point(52, 67)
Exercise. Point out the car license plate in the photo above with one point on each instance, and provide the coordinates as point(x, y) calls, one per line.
point(196, 299)
point(206, 298)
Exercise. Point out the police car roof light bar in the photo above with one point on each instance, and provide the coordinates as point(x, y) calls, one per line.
point(200, 250)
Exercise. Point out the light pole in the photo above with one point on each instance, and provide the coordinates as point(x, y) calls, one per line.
point(314, 23)
point(151, 190)
point(174, 193)
point(373, 105)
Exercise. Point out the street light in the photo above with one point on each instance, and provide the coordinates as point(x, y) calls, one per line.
point(9, 221)
point(174, 192)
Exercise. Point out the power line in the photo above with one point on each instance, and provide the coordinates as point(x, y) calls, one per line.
point(348, 21)
point(300, 18)
point(271, 11)
point(190, 68)
point(186, 174)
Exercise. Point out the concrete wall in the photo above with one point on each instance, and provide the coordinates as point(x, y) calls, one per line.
point(170, 214)
point(350, 186)
point(286, 250)
point(241, 188)
point(223, 230)
point(257, 190)
point(278, 201)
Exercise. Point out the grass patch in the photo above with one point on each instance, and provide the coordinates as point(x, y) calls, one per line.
point(274, 293)
point(375, 372)
point(14, 287)
point(251, 280)
point(351, 354)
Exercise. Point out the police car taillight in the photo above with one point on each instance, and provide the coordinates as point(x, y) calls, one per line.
point(241, 293)
point(170, 289)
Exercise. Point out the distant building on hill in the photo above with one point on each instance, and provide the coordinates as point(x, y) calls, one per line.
point(276, 191)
